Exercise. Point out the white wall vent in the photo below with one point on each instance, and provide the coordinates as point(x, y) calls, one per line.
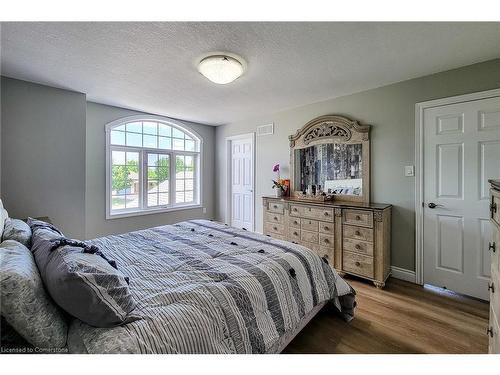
point(265, 129)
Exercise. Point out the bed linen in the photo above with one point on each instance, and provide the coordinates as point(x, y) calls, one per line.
point(203, 287)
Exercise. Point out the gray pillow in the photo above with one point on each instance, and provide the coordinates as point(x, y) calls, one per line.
point(25, 305)
point(17, 230)
point(80, 279)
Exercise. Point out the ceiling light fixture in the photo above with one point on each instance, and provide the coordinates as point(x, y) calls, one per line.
point(221, 69)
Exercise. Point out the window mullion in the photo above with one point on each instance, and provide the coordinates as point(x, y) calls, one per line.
point(172, 179)
point(142, 178)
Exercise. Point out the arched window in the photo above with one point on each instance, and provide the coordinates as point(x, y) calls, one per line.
point(153, 165)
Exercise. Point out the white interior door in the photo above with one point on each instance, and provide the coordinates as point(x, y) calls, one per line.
point(242, 183)
point(461, 152)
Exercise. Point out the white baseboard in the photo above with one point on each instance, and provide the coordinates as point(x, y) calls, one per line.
point(403, 274)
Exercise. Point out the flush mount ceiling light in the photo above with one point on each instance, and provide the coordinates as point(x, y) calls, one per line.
point(221, 69)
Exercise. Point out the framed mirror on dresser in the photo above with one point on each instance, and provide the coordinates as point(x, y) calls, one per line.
point(329, 208)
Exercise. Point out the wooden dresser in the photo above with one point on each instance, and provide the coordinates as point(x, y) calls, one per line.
point(354, 237)
point(494, 286)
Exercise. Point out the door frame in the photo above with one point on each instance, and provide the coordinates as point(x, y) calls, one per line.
point(229, 140)
point(419, 165)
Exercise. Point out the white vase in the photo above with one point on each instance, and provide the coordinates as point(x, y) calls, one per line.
point(279, 193)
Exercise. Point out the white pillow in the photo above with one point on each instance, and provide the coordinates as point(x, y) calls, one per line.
point(3, 216)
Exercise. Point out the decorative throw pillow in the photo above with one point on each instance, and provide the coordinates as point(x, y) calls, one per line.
point(17, 230)
point(25, 305)
point(80, 279)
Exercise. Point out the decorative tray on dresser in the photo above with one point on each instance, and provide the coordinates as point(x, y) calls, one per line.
point(329, 209)
point(355, 238)
point(494, 286)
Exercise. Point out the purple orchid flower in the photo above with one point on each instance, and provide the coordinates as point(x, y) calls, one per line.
point(276, 168)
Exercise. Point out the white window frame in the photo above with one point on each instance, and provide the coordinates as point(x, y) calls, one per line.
point(143, 152)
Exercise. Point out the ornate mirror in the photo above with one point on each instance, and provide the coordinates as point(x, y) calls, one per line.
point(330, 159)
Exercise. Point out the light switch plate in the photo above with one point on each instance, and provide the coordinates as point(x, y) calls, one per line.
point(409, 171)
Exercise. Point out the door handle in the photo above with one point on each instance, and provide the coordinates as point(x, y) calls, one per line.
point(434, 205)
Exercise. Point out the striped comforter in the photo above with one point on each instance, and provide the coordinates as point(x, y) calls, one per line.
point(202, 287)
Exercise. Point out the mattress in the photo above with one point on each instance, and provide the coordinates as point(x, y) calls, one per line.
point(203, 287)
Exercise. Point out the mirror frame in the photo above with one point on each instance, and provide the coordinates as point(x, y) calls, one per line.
point(333, 129)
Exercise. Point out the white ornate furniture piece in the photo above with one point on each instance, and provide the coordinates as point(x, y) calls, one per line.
point(338, 222)
point(494, 286)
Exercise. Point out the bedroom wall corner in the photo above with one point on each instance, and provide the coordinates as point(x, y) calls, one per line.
point(43, 153)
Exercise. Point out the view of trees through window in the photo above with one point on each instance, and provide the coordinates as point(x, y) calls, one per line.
point(141, 178)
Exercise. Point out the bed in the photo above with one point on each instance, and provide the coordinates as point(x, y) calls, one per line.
point(203, 287)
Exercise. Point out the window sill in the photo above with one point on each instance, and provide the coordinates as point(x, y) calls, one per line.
point(120, 215)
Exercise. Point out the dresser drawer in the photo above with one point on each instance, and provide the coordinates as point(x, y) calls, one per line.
point(308, 224)
point(495, 208)
point(357, 246)
point(325, 214)
point(312, 212)
point(294, 222)
point(327, 228)
point(294, 234)
point(296, 210)
point(276, 207)
point(495, 245)
point(309, 236)
point(358, 233)
point(494, 334)
point(358, 217)
point(321, 251)
point(326, 240)
point(495, 291)
point(358, 264)
point(274, 228)
point(275, 218)
point(328, 254)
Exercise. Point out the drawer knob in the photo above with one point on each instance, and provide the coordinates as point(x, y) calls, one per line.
point(275, 206)
point(357, 264)
point(357, 233)
point(326, 240)
point(358, 247)
point(295, 209)
point(489, 331)
point(491, 287)
point(275, 228)
point(275, 218)
point(326, 228)
point(358, 217)
point(326, 213)
point(295, 234)
point(492, 246)
point(296, 222)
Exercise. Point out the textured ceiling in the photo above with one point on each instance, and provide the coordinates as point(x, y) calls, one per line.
point(152, 66)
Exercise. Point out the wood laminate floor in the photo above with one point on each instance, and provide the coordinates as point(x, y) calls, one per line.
point(401, 318)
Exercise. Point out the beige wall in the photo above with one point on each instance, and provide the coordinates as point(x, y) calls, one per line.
point(43, 154)
point(98, 116)
point(391, 111)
